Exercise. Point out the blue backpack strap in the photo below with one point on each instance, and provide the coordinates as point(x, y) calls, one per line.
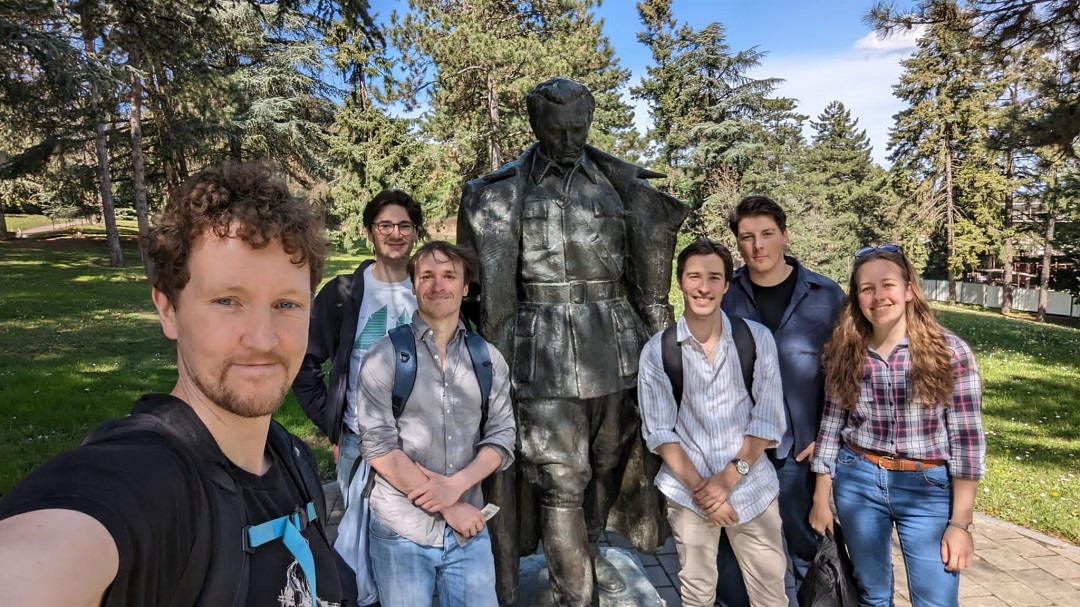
point(290, 529)
point(485, 374)
point(747, 350)
point(404, 367)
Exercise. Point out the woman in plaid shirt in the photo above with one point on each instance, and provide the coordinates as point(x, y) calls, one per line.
point(901, 440)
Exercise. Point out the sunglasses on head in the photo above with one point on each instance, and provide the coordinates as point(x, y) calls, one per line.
point(888, 248)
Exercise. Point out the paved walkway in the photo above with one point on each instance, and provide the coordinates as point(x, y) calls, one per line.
point(1014, 566)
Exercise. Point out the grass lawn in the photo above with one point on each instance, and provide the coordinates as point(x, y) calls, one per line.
point(23, 222)
point(79, 342)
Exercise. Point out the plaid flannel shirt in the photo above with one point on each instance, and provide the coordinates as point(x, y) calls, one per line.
point(885, 420)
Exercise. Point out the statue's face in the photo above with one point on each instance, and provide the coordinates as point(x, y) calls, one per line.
point(562, 130)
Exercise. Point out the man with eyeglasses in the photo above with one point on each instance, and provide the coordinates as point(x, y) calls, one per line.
point(350, 313)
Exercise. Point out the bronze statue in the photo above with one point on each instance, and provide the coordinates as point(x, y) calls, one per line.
point(576, 250)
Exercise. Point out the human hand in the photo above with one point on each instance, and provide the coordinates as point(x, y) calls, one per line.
point(806, 453)
point(437, 494)
point(821, 518)
point(464, 518)
point(712, 492)
point(723, 515)
point(957, 549)
point(337, 453)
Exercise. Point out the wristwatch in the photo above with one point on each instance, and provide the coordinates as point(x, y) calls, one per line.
point(741, 466)
point(970, 527)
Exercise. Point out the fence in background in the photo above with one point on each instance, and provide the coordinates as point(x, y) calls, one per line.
point(988, 296)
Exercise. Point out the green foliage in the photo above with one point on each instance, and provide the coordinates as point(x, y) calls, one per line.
point(473, 64)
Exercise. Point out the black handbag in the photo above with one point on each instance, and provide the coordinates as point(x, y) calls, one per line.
point(830, 581)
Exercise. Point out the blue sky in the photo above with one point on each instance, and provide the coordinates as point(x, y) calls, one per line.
point(821, 48)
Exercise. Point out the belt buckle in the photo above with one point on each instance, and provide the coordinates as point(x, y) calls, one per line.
point(881, 461)
point(578, 291)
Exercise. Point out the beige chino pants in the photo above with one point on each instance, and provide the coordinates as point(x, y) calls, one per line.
point(758, 546)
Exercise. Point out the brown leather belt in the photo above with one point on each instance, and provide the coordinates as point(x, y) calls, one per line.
point(577, 291)
point(896, 464)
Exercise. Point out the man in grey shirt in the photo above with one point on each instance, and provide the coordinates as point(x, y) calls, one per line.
point(427, 531)
point(712, 442)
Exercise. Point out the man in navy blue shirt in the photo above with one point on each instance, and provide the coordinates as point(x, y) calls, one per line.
point(800, 308)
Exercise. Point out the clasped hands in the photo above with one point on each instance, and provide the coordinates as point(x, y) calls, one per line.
point(441, 494)
point(711, 495)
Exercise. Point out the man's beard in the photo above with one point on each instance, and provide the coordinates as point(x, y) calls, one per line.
point(249, 406)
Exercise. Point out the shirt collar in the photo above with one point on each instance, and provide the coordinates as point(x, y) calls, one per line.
point(421, 329)
point(682, 331)
point(542, 166)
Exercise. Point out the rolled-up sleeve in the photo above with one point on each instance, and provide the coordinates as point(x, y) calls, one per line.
point(375, 416)
point(767, 419)
point(655, 398)
point(963, 418)
point(500, 431)
point(828, 438)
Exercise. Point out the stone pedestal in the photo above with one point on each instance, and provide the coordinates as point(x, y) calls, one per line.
point(534, 591)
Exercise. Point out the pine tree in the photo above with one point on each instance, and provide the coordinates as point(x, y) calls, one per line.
point(939, 141)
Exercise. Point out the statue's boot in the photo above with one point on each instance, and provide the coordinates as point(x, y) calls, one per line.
point(566, 548)
point(607, 576)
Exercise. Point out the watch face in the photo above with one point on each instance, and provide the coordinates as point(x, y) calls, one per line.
point(742, 467)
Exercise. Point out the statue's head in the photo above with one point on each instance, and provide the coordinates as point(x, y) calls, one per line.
point(560, 112)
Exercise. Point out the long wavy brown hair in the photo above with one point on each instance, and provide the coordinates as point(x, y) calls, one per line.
point(931, 377)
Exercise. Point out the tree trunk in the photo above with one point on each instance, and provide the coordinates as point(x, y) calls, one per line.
point(138, 169)
point(1044, 275)
point(3, 223)
point(950, 231)
point(1007, 251)
point(108, 207)
point(494, 147)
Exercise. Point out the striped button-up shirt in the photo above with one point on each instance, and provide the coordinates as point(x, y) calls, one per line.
point(716, 414)
point(887, 419)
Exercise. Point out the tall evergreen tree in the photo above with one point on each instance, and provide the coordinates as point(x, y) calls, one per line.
point(939, 140)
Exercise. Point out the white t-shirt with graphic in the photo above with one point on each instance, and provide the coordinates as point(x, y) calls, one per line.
point(386, 305)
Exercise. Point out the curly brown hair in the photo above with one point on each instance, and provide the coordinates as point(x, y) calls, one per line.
point(241, 200)
point(931, 374)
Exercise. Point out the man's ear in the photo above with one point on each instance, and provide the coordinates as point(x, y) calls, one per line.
point(166, 312)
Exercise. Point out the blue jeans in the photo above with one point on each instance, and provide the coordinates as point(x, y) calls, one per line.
point(349, 452)
point(869, 501)
point(408, 574)
point(800, 541)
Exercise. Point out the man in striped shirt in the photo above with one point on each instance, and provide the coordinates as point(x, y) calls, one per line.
point(714, 475)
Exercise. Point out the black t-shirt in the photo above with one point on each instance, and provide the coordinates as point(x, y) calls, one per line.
point(151, 501)
point(773, 301)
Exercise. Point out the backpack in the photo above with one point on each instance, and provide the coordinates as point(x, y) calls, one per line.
point(405, 377)
point(216, 574)
point(745, 347)
point(830, 582)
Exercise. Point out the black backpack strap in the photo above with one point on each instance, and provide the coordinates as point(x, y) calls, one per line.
point(404, 367)
point(482, 367)
point(217, 571)
point(747, 350)
point(671, 355)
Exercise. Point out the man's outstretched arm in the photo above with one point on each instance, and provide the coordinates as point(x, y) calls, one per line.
point(56, 557)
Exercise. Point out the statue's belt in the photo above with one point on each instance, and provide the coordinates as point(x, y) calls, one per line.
point(577, 291)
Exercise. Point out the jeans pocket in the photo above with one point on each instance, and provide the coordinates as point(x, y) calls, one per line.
point(381, 531)
point(846, 457)
point(937, 476)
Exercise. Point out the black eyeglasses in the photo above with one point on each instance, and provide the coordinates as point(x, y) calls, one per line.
point(888, 248)
point(386, 228)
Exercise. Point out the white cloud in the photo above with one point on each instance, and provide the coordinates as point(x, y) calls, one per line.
point(899, 40)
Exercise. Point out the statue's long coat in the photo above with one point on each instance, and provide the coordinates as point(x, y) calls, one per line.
point(489, 220)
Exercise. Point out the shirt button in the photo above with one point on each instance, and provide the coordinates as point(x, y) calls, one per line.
point(448, 437)
point(451, 466)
